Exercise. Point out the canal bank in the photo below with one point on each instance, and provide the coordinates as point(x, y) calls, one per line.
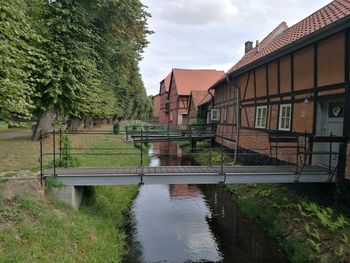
point(35, 227)
point(306, 228)
point(190, 223)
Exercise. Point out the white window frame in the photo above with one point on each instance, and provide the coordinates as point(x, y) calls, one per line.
point(216, 113)
point(260, 120)
point(283, 119)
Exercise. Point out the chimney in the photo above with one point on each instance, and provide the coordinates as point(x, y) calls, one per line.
point(248, 46)
point(257, 46)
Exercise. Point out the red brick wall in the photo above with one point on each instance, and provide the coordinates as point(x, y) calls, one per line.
point(173, 103)
point(163, 115)
point(156, 106)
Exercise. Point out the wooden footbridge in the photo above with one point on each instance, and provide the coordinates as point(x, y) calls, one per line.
point(281, 172)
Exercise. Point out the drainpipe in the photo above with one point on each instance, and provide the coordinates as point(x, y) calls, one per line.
point(211, 101)
point(211, 127)
point(238, 115)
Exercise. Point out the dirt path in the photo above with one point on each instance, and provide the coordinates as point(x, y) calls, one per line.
point(15, 134)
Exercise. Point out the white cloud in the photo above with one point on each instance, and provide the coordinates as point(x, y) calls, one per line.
point(198, 12)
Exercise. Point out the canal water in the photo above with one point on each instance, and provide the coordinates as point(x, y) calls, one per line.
point(191, 223)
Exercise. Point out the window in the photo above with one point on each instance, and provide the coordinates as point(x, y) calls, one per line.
point(260, 117)
point(285, 117)
point(171, 116)
point(215, 114)
point(225, 114)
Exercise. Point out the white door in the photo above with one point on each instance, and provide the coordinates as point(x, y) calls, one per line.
point(335, 124)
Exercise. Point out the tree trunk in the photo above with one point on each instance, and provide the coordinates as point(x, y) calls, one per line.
point(88, 122)
point(44, 124)
point(74, 124)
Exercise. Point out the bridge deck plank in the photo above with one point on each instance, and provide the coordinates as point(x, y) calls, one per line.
point(288, 169)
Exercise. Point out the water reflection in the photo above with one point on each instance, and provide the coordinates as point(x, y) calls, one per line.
point(238, 238)
point(172, 227)
point(188, 223)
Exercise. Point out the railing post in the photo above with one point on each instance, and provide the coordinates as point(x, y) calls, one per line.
point(54, 151)
point(211, 145)
point(168, 131)
point(297, 160)
point(305, 148)
point(127, 133)
point(141, 146)
point(330, 154)
point(60, 149)
point(222, 151)
point(41, 158)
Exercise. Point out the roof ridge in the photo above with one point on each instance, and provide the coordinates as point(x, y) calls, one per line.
point(274, 31)
point(189, 69)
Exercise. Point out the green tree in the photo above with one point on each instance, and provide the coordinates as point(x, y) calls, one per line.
point(20, 60)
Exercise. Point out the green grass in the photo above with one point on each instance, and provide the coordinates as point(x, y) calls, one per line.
point(205, 155)
point(3, 126)
point(306, 231)
point(34, 229)
point(48, 231)
point(21, 125)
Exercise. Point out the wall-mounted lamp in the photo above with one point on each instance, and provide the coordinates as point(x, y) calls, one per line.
point(306, 102)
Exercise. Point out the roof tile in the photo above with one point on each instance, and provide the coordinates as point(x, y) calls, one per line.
point(188, 80)
point(325, 16)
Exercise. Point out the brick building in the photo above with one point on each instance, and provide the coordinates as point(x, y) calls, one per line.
point(196, 97)
point(295, 81)
point(164, 106)
point(182, 82)
point(156, 107)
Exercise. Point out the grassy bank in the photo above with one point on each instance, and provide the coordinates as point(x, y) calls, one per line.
point(307, 231)
point(34, 227)
point(40, 229)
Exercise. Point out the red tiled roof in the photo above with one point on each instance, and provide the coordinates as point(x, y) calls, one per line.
point(325, 16)
point(188, 80)
point(197, 97)
point(205, 100)
point(167, 82)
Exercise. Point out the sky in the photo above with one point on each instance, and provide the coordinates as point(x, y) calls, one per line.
point(210, 34)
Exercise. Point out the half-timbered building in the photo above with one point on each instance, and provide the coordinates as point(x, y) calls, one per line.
point(182, 82)
point(295, 81)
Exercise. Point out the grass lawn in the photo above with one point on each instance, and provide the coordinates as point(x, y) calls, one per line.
point(22, 125)
point(3, 126)
point(37, 228)
point(23, 153)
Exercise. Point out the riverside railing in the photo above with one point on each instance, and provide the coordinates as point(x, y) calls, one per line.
point(215, 149)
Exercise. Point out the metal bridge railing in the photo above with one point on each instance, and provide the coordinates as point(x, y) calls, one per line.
point(215, 149)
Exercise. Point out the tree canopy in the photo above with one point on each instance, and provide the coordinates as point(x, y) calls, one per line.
point(77, 58)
